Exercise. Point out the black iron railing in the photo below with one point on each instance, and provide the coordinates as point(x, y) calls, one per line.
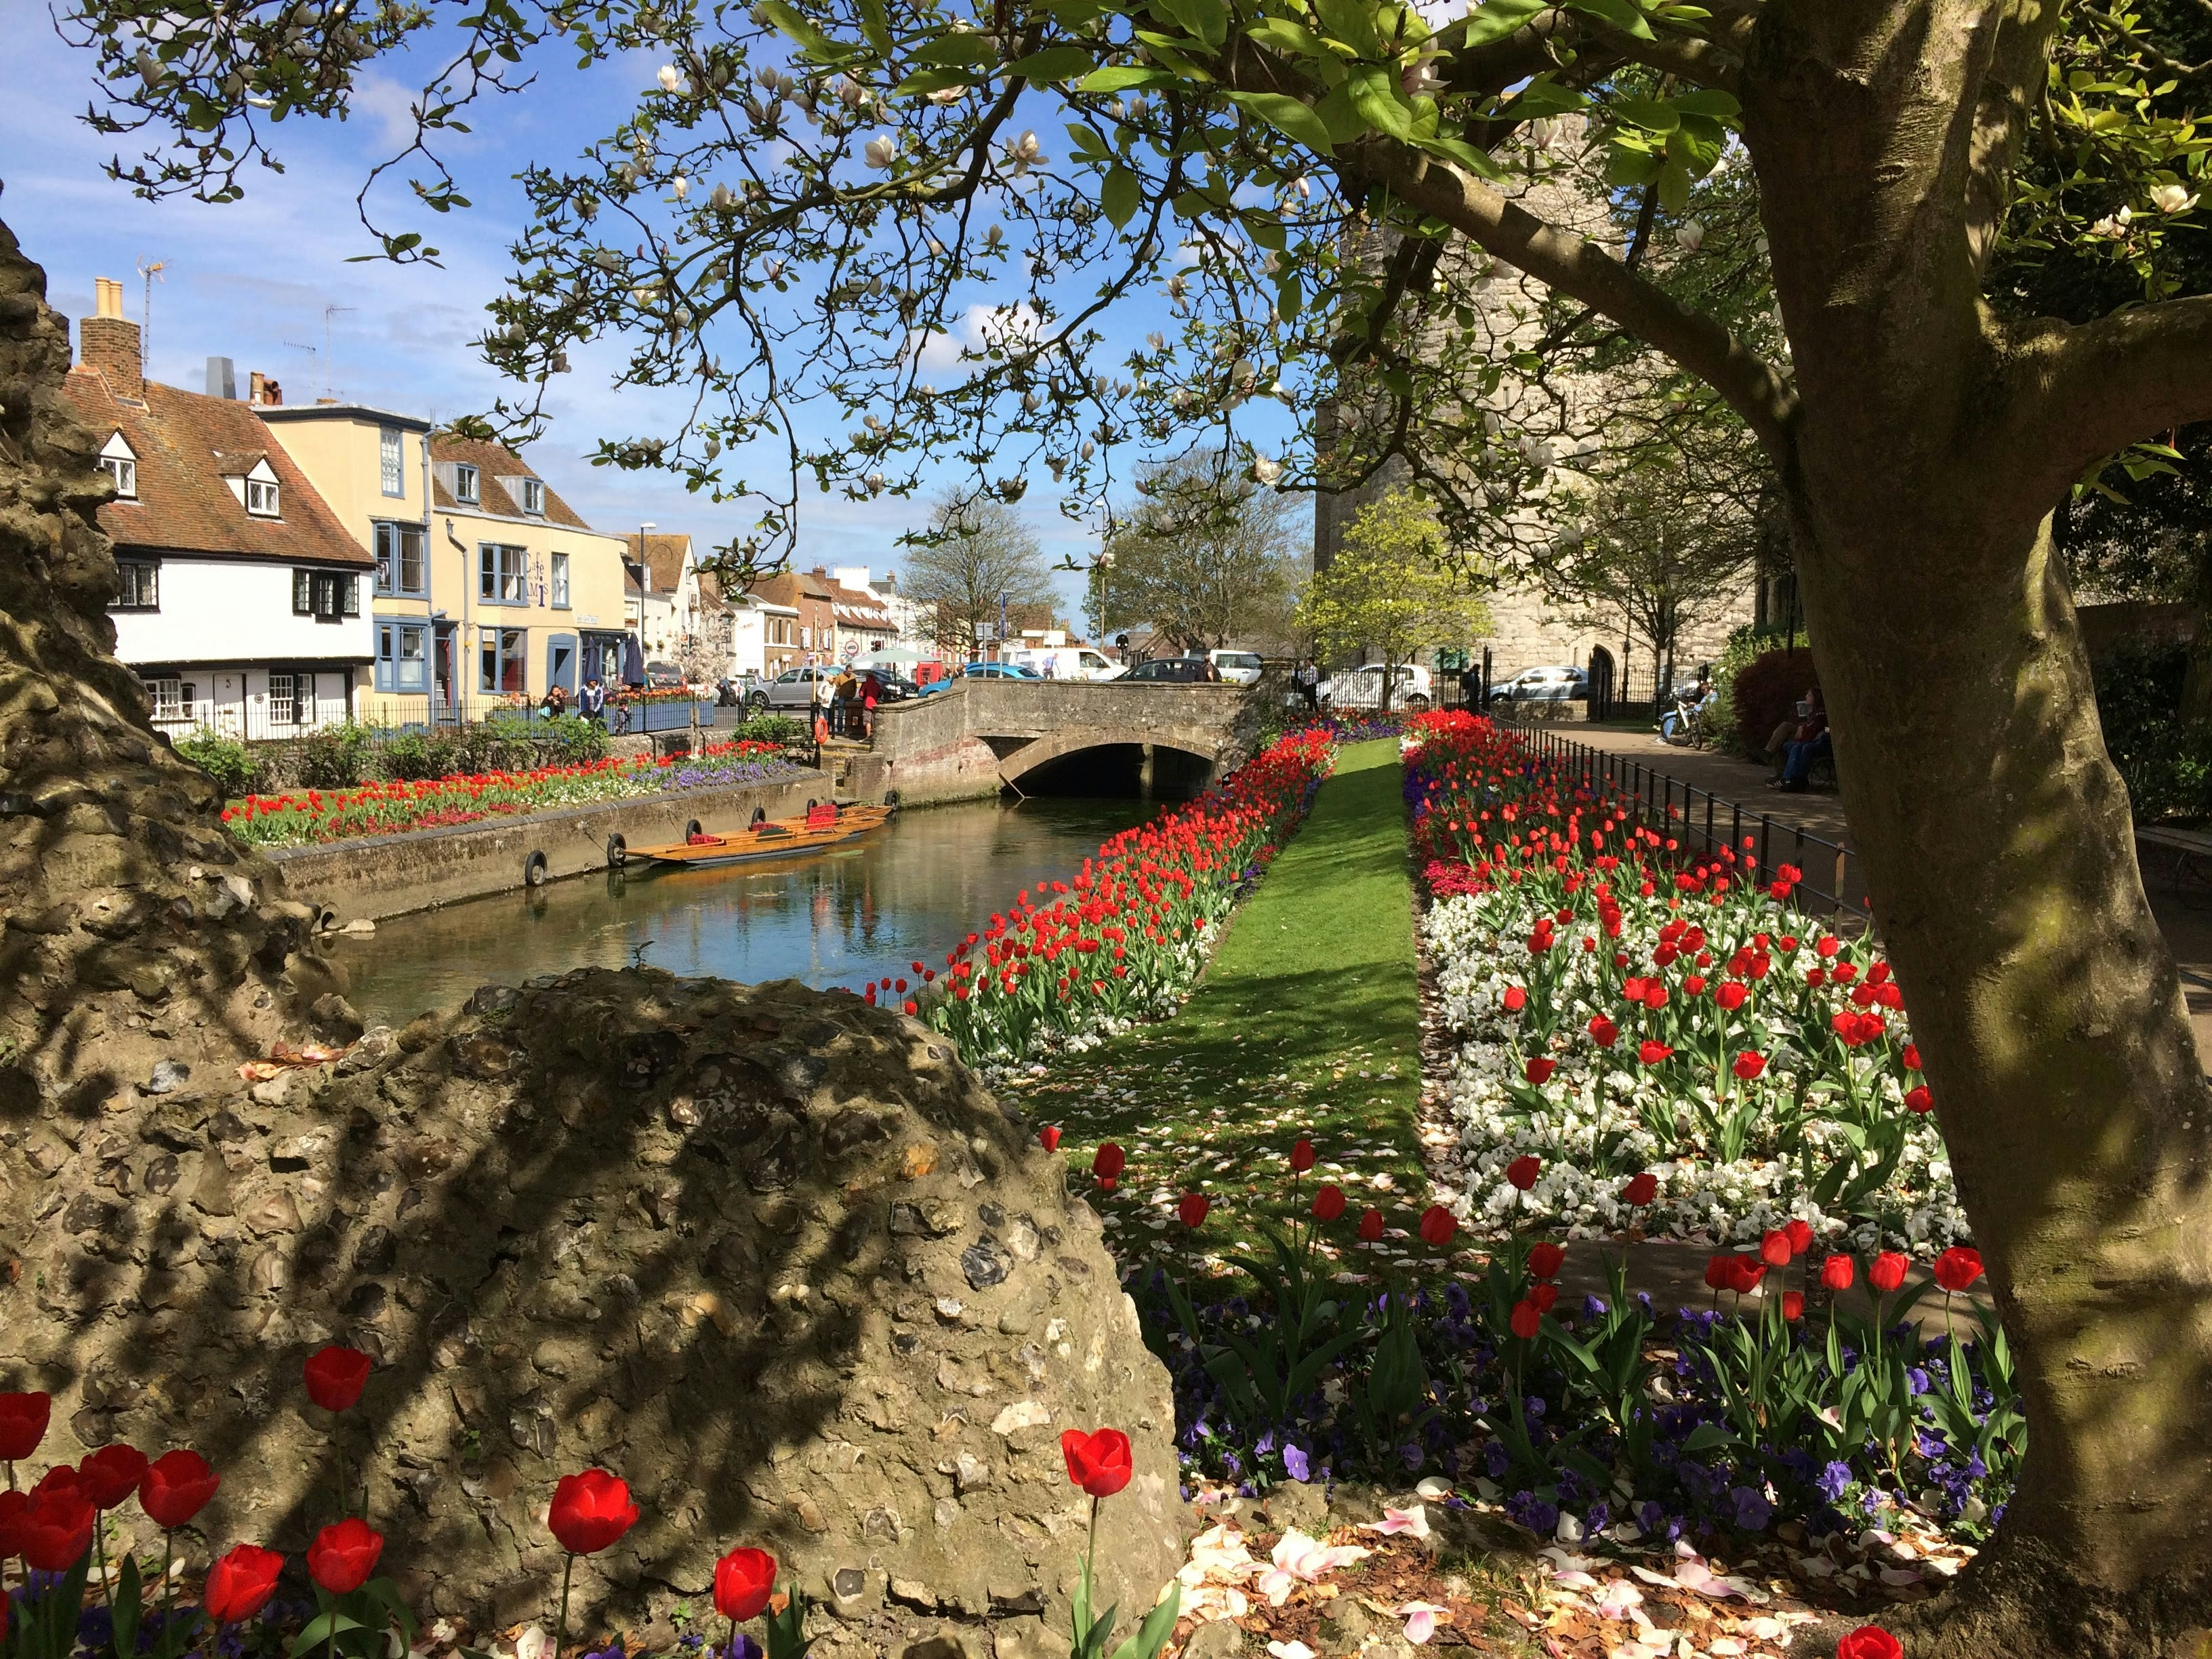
point(1831, 880)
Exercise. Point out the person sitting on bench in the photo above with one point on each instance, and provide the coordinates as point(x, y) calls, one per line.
point(1812, 742)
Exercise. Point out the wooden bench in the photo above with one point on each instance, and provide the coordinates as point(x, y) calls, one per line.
point(2180, 859)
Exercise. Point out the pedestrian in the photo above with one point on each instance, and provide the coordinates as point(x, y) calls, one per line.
point(557, 700)
point(1307, 676)
point(1470, 686)
point(872, 694)
point(592, 703)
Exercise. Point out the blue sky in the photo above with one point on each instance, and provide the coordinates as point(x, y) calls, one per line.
point(255, 281)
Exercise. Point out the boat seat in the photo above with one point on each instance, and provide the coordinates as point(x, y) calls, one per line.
point(770, 830)
point(824, 816)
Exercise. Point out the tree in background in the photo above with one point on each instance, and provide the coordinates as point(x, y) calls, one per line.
point(1208, 555)
point(1390, 590)
point(977, 560)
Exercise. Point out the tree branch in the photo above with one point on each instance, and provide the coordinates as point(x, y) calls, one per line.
point(1701, 62)
point(1581, 269)
point(2081, 393)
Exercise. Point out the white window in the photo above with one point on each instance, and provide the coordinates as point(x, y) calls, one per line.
point(118, 461)
point(465, 485)
point(291, 696)
point(261, 498)
point(502, 574)
point(560, 581)
point(390, 468)
point(533, 496)
point(141, 581)
point(172, 698)
point(326, 595)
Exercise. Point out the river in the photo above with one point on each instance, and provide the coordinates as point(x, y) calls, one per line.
point(903, 894)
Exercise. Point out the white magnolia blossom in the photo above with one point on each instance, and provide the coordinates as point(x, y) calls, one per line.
point(668, 77)
point(1266, 469)
point(680, 186)
point(2173, 198)
point(880, 153)
point(1690, 233)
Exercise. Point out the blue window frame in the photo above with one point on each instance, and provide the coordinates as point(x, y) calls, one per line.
point(402, 655)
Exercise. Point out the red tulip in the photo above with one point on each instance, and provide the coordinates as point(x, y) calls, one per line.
point(1869, 1642)
point(1800, 1237)
point(1744, 1274)
point(1544, 1260)
point(176, 1487)
point(1193, 1209)
point(1437, 1226)
point(1774, 1249)
point(1793, 1305)
point(1371, 1225)
point(1837, 1273)
point(1523, 1170)
point(1603, 1031)
point(590, 1510)
point(1717, 1272)
point(1640, 1190)
point(1049, 1138)
point(1526, 1319)
point(744, 1581)
point(1098, 1462)
point(1886, 1272)
point(241, 1584)
point(1108, 1162)
point(1910, 1056)
point(1328, 1203)
point(1958, 1267)
point(110, 1474)
point(1516, 999)
point(14, 1505)
point(336, 1376)
point(1730, 994)
point(24, 1419)
point(1540, 1069)
point(1917, 1099)
point(1651, 1052)
point(1544, 1295)
point(1749, 1065)
point(1302, 1156)
point(55, 1529)
point(343, 1557)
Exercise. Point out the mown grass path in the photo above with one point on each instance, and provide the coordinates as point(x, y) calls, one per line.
point(1306, 1022)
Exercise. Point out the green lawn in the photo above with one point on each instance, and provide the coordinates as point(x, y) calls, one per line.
point(1306, 1022)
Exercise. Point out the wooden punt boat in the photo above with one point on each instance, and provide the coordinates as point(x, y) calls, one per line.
point(824, 825)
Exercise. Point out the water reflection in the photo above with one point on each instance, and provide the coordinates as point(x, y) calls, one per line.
point(904, 893)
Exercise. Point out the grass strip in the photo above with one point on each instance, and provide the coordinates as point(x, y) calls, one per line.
point(1306, 1022)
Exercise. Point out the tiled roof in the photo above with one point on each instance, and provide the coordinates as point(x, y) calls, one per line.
point(492, 461)
point(186, 444)
point(665, 555)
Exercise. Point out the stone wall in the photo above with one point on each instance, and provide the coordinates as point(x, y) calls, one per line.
point(392, 875)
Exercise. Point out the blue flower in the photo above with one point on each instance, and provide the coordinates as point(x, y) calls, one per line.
point(1834, 1480)
point(1752, 1511)
point(1495, 1459)
point(1296, 1463)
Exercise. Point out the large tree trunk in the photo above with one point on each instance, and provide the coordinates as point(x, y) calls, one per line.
point(1996, 834)
point(135, 931)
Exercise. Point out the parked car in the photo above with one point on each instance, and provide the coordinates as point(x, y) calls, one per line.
point(664, 676)
point(1553, 684)
point(1068, 662)
point(985, 671)
point(1170, 670)
point(1238, 667)
point(792, 690)
point(1362, 688)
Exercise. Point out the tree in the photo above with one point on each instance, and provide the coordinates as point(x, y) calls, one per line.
point(1666, 539)
point(1922, 438)
point(1206, 556)
point(976, 559)
point(1390, 588)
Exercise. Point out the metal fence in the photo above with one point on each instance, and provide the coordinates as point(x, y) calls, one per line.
point(263, 719)
point(1704, 822)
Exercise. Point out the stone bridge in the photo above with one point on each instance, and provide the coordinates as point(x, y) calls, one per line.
point(1066, 737)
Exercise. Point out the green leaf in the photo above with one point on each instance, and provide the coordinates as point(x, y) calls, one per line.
point(1376, 94)
point(1648, 113)
point(1152, 1634)
point(1203, 20)
point(1499, 19)
point(320, 1630)
point(1281, 35)
point(1623, 15)
point(957, 47)
point(1292, 117)
point(931, 80)
point(1119, 196)
point(1545, 96)
point(1339, 117)
point(1290, 297)
point(1706, 1436)
point(795, 24)
point(876, 28)
point(1474, 160)
point(1352, 23)
point(128, 1603)
point(1052, 64)
point(1121, 77)
point(1707, 102)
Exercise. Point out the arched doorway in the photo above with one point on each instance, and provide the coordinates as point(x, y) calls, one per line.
point(1601, 683)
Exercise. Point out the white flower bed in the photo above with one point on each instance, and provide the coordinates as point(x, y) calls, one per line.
point(1590, 1148)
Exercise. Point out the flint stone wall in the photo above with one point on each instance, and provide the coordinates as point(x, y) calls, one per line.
point(775, 1257)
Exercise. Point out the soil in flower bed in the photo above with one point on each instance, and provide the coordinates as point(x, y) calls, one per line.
point(1306, 1023)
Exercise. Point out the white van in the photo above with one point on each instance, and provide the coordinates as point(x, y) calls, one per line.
point(1238, 667)
point(1066, 662)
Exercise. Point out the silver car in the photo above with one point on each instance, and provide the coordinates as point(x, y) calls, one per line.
point(1554, 684)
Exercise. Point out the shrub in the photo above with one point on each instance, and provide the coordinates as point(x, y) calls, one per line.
point(225, 759)
point(762, 728)
point(559, 739)
point(1746, 645)
point(1765, 693)
point(2167, 766)
point(336, 758)
point(415, 755)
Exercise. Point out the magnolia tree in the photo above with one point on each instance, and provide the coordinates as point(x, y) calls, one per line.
point(1196, 222)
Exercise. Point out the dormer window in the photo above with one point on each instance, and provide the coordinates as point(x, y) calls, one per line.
point(465, 485)
point(533, 496)
point(261, 497)
point(121, 464)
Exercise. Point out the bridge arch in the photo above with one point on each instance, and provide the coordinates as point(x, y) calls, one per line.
point(1161, 762)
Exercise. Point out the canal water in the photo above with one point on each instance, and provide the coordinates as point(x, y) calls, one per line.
point(905, 893)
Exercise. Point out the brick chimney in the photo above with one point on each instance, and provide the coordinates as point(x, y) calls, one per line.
point(107, 343)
